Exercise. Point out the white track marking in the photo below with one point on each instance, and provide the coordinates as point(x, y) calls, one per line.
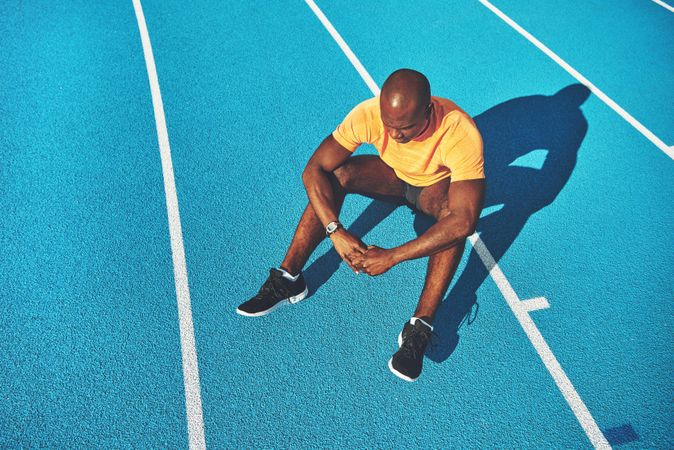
point(195, 419)
point(534, 304)
point(345, 48)
point(664, 5)
point(574, 73)
point(518, 307)
point(522, 314)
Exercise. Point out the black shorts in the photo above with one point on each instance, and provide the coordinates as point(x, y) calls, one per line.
point(412, 195)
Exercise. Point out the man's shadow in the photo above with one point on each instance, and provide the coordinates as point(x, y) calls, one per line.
point(554, 127)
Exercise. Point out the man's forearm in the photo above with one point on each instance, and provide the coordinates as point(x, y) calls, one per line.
point(321, 194)
point(444, 234)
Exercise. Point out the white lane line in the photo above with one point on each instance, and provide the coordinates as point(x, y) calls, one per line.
point(664, 5)
point(345, 48)
point(533, 333)
point(534, 304)
point(574, 73)
point(518, 307)
point(195, 419)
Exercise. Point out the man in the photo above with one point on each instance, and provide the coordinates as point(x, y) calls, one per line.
point(430, 157)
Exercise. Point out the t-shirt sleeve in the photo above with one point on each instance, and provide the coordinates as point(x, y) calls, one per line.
point(464, 156)
point(356, 128)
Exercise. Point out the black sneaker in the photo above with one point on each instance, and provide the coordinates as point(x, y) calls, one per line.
point(408, 360)
point(276, 291)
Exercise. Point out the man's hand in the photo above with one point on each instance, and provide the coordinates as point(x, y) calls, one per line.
point(348, 247)
point(375, 260)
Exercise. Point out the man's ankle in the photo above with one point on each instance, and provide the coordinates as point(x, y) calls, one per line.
point(428, 320)
point(291, 275)
point(288, 269)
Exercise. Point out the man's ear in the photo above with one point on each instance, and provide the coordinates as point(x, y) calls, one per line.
point(429, 110)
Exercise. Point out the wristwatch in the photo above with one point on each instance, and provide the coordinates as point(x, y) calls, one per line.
point(332, 227)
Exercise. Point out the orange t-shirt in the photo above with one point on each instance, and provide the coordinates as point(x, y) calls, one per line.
point(451, 145)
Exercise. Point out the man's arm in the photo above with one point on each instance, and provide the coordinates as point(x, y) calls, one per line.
point(465, 200)
point(464, 203)
point(327, 158)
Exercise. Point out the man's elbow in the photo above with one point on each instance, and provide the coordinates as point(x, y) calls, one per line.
point(308, 174)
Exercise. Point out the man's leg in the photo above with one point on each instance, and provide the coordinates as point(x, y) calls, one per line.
point(442, 266)
point(308, 235)
point(407, 362)
point(441, 269)
point(367, 175)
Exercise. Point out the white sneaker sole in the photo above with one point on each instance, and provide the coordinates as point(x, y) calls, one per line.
point(288, 301)
point(398, 374)
point(390, 363)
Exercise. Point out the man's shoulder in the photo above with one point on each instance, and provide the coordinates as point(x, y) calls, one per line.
point(361, 125)
point(366, 113)
point(446, 107)
point(454, 122)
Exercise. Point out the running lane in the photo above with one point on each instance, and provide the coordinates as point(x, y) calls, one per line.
point(580, 203)
point(625, 48)
point(249, 92)
point(88, 318)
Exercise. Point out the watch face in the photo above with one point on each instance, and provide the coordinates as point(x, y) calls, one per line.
point(332, 226)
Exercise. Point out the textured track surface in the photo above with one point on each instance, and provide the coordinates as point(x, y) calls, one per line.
point(579, 211)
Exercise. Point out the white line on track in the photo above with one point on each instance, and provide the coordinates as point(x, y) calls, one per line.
point(534, 304)
point(519, 308)
point(664, 5)
point(195, 419)
point(521, 311)
point(574, 73)
point(345, 48)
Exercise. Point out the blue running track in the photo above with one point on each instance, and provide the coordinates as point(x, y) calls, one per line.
point(579, 211)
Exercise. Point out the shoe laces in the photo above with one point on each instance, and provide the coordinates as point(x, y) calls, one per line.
point(415, 342)
point(274, 285)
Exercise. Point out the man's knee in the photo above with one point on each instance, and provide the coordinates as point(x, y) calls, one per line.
point(435, 207)
point(440, 211)
point(345, 175)
point(433, 200)
point(370, 176)
point(463, 227)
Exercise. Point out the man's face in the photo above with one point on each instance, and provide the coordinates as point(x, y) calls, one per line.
point(405, 124)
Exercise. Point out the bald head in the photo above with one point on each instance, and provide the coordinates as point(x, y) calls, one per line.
point(405, 89)
point(405, 103)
